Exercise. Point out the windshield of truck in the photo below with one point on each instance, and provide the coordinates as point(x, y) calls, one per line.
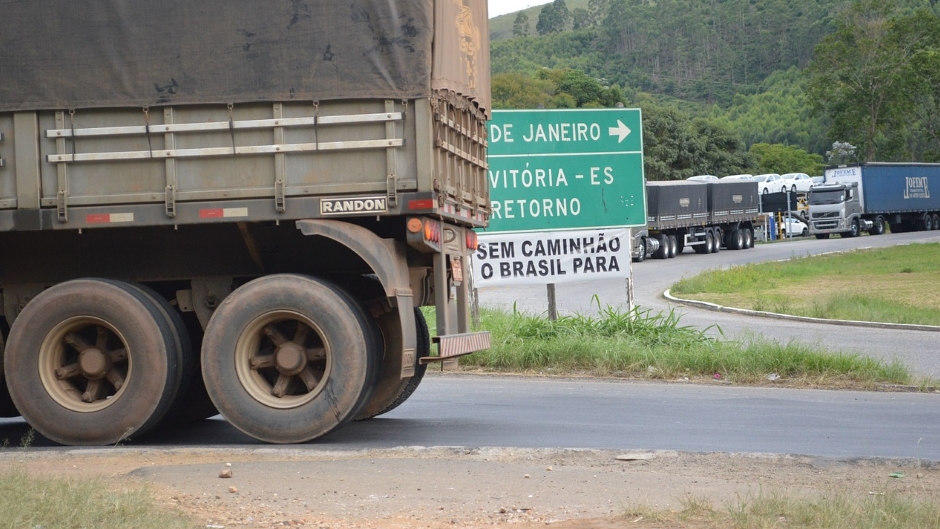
point(818, 198)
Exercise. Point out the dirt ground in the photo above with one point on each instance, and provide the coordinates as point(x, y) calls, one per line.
point(413, 487)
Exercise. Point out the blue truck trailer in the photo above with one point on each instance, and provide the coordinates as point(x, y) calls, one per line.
point(873, 197)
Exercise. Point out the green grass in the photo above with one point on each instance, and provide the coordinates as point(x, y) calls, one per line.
point(28, 502)
point(891, 285)
point(643, 344)
point(831, 510)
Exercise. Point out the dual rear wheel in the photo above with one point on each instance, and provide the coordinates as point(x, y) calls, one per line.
point(285, 358)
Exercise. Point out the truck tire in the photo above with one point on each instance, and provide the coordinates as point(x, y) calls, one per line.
point(7, 408)
point(878, 226)
point(92, 362)
point(936, 221)
point(736, 240)
point(748, 238)
point(192, 403)
point(673, 246)
point(709, 242)
point(641, 251)
point(716, 239)
point(854, 231)
point(398, 390)
point(288, 358)
point(663, 251)
point(927, 223)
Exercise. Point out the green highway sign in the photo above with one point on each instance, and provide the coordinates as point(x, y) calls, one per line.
point(565, 169)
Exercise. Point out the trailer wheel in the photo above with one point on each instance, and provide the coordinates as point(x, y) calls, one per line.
point(288, 358)
point(7, 408)
point(401, 388)
point(671, 253)
point(716, 239)
point(736, 240)
point(92, 362)
point(878, 227)
point(927, 223)
point(709, 242)
point(748, 238)
point(936, 221)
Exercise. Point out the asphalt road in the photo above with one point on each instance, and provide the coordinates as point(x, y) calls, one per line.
point(920, 350)
point(449, 410)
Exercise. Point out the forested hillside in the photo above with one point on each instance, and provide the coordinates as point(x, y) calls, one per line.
point(736, 85)
point(707, 50)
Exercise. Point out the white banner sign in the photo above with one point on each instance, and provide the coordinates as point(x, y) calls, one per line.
point(544, 257)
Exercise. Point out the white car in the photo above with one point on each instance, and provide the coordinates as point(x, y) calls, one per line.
point(770, 183)
point(798, 182)
point(703, 178)
point(794, 227)
point(739, 177)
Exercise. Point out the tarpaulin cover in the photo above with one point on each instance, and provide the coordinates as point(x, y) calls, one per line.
point(109, 53)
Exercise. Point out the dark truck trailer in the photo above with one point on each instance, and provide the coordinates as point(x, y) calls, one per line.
point(703, 215)
point(874, 196)
point(235, 207)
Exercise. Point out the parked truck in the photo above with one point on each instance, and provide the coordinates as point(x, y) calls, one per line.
point(873, 197)
point(235, 207)
point(703, 215)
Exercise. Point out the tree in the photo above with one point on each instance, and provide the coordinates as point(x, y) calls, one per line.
point(520, 26)
point(580, 19)
point(553, 18)
point(860, 75)
point(779, 158)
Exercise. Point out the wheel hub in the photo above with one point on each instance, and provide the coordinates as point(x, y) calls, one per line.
point(290, 358)
point(94, 363)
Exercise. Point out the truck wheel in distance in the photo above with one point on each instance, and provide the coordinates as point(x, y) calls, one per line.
point(878, 226)
point(854, 230)
point(671, 239)
point(403, 388)
point(748, 238)
point(822, 235)
point(709, 242)
point(936, 221)
point(663, 251)
point(716, 238)
point(91, 362)
point(288, 358)
point(641, 251)
point(927, 223)
point(732, 240)
point(737, 240)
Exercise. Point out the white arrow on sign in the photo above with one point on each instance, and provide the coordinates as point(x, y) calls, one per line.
point(621, 131)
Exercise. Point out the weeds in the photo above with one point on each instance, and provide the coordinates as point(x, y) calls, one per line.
point(655, 345)
point(29, 502)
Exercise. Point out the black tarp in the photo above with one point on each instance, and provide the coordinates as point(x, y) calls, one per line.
point(676, 203)
point(110, 53)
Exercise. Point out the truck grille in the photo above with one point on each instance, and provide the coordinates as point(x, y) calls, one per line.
point(826, 215)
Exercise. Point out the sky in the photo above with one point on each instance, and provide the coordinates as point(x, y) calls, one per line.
point(501, 7)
